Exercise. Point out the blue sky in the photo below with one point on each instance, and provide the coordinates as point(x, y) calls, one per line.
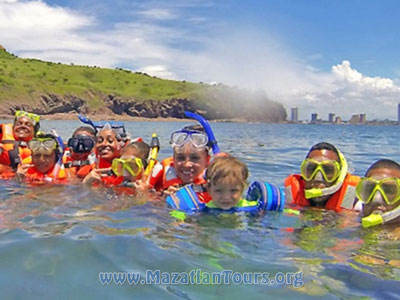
point(322, 56)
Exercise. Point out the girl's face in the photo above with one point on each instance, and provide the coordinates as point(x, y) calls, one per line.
point(190, 162)
point(107, 145)
point(23, 129)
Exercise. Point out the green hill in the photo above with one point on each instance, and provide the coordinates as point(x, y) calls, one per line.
point(47, 87)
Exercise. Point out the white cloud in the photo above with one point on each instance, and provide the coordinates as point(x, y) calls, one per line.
point(216, 53)
point(158, 14)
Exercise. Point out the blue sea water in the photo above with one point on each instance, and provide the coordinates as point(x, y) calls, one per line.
point(55, 241)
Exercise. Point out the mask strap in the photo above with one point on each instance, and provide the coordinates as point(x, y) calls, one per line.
point(315, 192)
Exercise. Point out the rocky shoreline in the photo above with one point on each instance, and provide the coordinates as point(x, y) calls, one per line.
point(54, 107)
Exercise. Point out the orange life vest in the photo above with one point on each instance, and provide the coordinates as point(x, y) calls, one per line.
point(76, 168)
point(342, 199)
point(33, 175)
point(13, 151)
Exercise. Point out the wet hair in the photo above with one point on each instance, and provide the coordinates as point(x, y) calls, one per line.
point(108, 127)
point(194, 128)
point(227, 169)
point(324, 146)
point(383, 163)
point(87, 129)
point(142, 149)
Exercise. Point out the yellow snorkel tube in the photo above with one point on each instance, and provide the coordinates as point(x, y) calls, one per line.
point(155, 147)
point(315, 192)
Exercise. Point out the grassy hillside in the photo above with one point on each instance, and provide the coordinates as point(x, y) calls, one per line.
point(24, 81)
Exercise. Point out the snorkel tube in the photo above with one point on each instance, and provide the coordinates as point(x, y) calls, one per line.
point(315, 192)
point(59, 164)
point(377, 219)
point(211, 137)
point(155, 147)
point(100, 124)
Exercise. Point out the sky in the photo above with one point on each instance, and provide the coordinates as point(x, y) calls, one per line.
point(322, 56)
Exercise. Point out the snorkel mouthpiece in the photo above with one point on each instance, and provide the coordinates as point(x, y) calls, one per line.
point(315, 192)
point(372, 220)
point(377, 219)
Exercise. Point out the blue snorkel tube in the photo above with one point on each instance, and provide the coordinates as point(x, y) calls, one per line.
point(211, 137)
point(59, 162)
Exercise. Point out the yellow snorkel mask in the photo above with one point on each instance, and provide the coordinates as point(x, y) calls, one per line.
point(331, 172)
point(389, 189)
point(134, 166)
point(20, 113)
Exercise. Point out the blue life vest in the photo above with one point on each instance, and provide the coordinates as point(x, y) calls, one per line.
point(260, 196)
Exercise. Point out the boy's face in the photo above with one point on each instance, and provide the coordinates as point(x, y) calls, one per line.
point(130, 154)
point(378, 204)
point(81, 156)
point(107, 146)
point(225, 195)
point(189, 162)
point(43, 160)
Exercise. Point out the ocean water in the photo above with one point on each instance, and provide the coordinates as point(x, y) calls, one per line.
point(59, 242)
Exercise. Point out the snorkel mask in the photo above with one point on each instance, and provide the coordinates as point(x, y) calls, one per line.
point(197, 139)
point(133, 166)
point(81, 143)
point(330, 176)
point(116, 126)
point(389, 189)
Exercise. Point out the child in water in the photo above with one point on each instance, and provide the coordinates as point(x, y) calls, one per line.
point(79, 157)
point(45, 165)
point(188, 163)
point(108, 146)
point(379, 191)
point(132, 163)
point(226, 180)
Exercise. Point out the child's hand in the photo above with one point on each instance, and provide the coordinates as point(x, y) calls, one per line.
point(21, 171)
point(94, 177)
point(141, 187)
point(171, 190)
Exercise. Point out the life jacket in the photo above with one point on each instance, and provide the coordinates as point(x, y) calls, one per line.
point(34, 176)
point(342, 199)
point(260, 196)
point(13, 151)
point(78, 168)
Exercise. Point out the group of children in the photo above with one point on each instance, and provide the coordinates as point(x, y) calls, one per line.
point(105, 156)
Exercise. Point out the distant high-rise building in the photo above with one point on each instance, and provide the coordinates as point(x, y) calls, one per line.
point(398, 112)
point(331, 117)
point(363, 118)
point(338, 120)
point(355, 119)
point(295, 114)
point(314, 117)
